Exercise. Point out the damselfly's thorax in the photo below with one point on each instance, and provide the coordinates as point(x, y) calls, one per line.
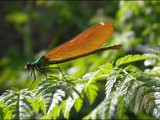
point(39, 64)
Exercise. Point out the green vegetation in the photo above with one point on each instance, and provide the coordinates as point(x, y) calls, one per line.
point(116, 84)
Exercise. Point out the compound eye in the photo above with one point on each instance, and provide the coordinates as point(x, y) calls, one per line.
point(28, 66)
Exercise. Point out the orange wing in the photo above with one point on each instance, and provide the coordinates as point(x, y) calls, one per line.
point(87, 41)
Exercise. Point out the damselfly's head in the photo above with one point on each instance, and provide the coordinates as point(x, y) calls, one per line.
point(28, 66)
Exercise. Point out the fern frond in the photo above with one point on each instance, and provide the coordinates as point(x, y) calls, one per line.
point(88, 87)
point(37, 104)
point(92, 77)
point(53, 92)
point(109, 85)
point(141, 95)
point(133, 58)
point(16, 100)
point(106, 109)
point(145, 98)
point(5, 112)
point(53, 114)
point(91, 92)
point(128, 88)
point(68, 104)
point(78, 104)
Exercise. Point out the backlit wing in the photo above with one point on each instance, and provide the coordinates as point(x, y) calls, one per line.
point(89, 40)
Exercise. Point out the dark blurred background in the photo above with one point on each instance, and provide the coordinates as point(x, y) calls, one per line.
point(29, 29)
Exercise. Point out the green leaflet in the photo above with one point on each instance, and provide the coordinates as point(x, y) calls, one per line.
point(133, 58)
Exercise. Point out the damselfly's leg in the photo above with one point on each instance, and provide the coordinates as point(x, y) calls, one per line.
point(62, 72)
point(33, 72)
point(28, 77)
